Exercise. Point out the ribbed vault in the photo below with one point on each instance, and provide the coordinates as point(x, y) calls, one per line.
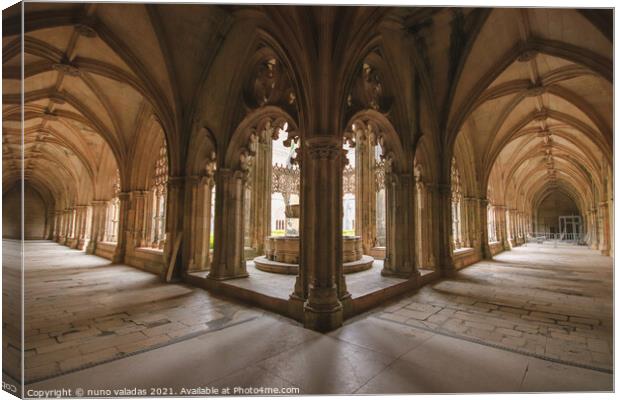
point(535, 101)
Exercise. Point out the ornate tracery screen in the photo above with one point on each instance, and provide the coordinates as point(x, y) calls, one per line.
point(159, 191)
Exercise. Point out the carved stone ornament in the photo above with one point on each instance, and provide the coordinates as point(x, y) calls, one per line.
point(369, 90)
point(348, 180)
point(270, 128)
point(67, 68)
point(534, 91)
point(527, 55)
point(211, 168)
point(269, 84)
point(541, 115)
point(285, 180)
point(366, 130)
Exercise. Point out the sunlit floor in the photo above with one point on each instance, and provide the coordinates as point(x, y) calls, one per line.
point(92, 325)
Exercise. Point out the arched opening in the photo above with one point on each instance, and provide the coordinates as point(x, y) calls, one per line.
point(272, 236)
point(558, 217)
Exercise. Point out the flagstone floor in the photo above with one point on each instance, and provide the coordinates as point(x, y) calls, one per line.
point(533, 319)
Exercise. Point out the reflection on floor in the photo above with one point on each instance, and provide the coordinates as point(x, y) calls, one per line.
point(552, 302)
point(82, 311)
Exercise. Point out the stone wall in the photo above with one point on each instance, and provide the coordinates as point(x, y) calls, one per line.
point(34, 214)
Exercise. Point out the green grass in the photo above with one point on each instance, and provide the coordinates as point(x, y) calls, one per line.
point(348, 232)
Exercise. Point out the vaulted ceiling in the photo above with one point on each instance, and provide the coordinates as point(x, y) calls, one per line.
point(528, 92)
point(95, 79)
point(534, 101)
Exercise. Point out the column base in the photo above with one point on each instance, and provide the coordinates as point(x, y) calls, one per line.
point(227, 277)
point(118, 258)
point(296, 307)
point(90, 249)
point(323, 320)
point(402, 275)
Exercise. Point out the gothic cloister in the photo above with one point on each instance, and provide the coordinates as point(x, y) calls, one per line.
point(353, 190)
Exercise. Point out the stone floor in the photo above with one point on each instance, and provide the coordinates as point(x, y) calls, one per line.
point(281, 285)
point(81, 310)
point(101, 326)
point(552, 302)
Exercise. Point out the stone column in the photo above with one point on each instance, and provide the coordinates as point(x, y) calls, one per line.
point(65, 226)
point(444, 222)
point(365, 193)
point(593, 228)
point(604, 242)
point(121, 238)
point(260, 209)
point(228, 260)
point(466, 215)
point(430, 228)
point(400, 226)
point(472, 221)
point(80, 226)
point(198, 223)
point(421, 235)
point(139, 200)
point(68, 226)
point(97, 226)
point(57, 221)
point(190, 214)
point(485, 250)
point(321, 232)
point(174, 225)
point(500, 221)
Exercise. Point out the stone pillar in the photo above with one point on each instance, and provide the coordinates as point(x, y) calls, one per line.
point(140, 215)
point(500, 222)
point(444, 222)
point(121, 238)
point(321, 232)
point(173, 228)
point(465, 222)
point(97, 226)
point(365, 193)
point(56, 230)
point(260, 207)
point(198, 223)
point(510, 227)
point(604, 242)
point(190, 214)
point(228, 260)
point(472, 221)
point(485, 250)
point(593, 228)
point(420, 219)
point(67, 231)
point(67, 226)
point(80, 229)
point(400, 226)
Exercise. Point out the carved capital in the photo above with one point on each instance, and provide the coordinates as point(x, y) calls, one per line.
point(324, 147)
